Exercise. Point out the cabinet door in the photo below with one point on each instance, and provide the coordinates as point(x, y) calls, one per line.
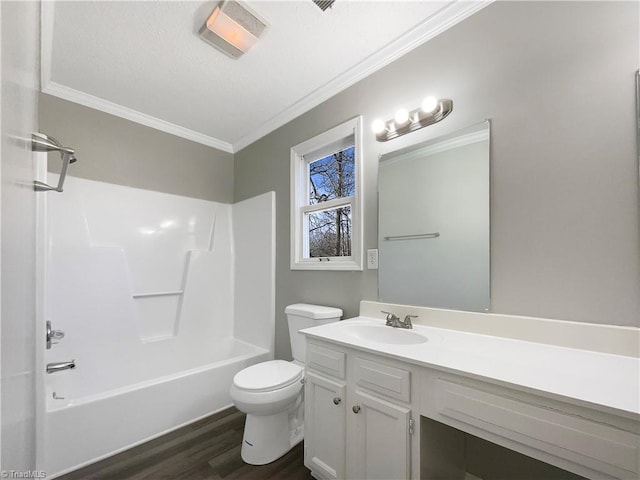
point(378, 445)
point(324, 418)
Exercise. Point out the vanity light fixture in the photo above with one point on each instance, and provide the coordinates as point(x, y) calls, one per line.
point(431, 111)
point(232, 28)
point(401, 117)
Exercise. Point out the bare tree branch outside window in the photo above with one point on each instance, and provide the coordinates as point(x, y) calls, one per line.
point(331, 177)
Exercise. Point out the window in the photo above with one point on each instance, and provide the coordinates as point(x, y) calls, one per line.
point(326, 206)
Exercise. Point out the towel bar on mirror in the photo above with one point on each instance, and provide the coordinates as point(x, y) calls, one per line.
point(416, 236)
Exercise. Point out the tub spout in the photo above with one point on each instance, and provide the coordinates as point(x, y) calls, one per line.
point(56, 367)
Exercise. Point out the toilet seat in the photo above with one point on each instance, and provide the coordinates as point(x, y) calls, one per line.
point(268, 376)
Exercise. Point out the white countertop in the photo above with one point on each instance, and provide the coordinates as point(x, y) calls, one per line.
point(601, 379)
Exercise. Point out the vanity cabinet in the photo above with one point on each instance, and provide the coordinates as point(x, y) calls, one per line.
point(376, 411)
point(324, 411)
point(379, 443)
point(592, 443)
point(358, 420)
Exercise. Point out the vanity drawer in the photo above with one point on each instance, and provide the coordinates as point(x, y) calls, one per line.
point(326, 360)
point(384, 379)
point(591, 443)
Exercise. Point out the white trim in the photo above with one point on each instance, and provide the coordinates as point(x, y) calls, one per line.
point(1, 299)
point(333, 135)
point(47, 15)
point(298, 234)
point(46, 42)
point(97, 103)
point(327, 150)
point(433, 26)
point(41, 228)
point(332, 204)
point(421, 153)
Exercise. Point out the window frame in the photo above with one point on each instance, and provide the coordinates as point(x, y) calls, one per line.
point(300, 206)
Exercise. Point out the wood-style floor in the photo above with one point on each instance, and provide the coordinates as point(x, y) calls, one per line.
point(206, 450)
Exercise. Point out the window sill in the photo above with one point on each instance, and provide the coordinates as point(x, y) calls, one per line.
point(331, 265)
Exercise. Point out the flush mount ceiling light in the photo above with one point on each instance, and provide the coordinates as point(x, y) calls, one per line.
point(232, 28)
point(432, 111)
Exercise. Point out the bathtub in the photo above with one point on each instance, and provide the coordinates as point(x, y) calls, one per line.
point(84, 429)
point(161, 303)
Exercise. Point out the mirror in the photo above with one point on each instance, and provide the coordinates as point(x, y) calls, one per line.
point(433, 222)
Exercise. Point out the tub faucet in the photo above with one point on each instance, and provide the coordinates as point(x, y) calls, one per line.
point(57, 367)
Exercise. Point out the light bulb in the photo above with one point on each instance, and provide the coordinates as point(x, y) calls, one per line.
point(402, 116)
point(429, 104)
point(378, 126)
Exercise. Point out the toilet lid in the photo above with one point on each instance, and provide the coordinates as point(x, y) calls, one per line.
point(269, 375)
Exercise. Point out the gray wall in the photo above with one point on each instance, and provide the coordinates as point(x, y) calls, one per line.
point(557, 81)
point(18, 374)
point(114, 150)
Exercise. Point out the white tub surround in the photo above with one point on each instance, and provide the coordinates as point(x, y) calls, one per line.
point(574, 403)
point(149, 289)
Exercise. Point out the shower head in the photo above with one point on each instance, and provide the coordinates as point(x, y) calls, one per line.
point(69, 156)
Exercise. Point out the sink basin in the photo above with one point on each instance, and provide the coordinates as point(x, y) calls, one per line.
point(384, 334)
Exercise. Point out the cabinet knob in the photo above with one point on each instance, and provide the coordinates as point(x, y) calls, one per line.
point(356, 408)
point(336, 400)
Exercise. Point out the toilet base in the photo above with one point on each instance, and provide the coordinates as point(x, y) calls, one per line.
point(268, 437)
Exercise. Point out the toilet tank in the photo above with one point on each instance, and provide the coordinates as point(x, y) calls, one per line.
point(304, 315)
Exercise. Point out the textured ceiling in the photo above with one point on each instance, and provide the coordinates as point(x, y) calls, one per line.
point(147, 58)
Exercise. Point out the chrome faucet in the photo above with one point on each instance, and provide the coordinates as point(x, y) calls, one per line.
point(392, 319)
point(57, 367)
point(53, 335)
point(395, 322)
point(406, 323)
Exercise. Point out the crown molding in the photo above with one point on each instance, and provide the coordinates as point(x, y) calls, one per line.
point(47, 13)
point(433, 26)
point(423, 32)
point(97, 103)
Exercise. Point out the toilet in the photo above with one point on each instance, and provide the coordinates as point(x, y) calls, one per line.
point(271, 393)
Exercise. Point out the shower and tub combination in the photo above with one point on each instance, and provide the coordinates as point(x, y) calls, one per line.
point(157, 300)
